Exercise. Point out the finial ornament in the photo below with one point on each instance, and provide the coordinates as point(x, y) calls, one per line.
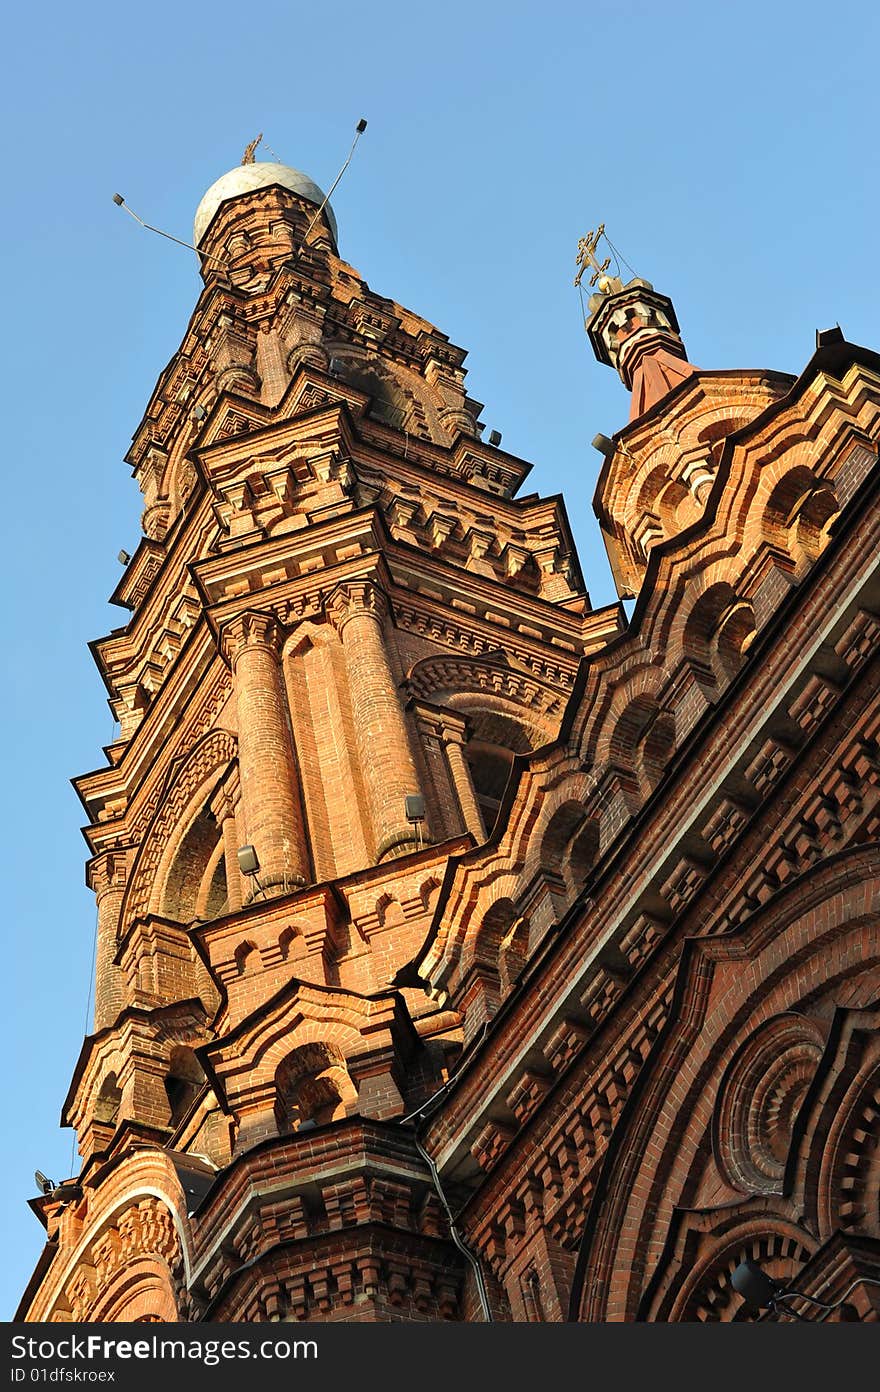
point(248, 156)
point(587, 258)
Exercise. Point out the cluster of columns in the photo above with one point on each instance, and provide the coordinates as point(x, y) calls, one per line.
point(271, 816)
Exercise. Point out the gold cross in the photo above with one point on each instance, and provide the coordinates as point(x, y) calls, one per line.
point(586, 256)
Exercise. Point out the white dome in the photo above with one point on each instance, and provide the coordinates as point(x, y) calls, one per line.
point(248, 177)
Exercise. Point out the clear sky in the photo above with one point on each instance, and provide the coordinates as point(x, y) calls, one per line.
point(729, 148)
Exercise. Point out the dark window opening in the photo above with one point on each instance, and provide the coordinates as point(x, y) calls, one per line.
point(490, 766)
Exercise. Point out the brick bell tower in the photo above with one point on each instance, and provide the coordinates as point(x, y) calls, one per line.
point(343, 626)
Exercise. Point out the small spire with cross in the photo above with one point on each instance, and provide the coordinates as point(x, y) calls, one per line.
point(632, 327)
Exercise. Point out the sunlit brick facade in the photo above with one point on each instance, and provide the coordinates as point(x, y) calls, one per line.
point(609, 1007)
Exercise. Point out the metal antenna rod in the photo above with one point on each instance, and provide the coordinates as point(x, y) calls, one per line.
point(121, 203)
point(359, 130)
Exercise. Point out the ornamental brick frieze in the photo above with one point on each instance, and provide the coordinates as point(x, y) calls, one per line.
point(138, 684)
point(138, 581)
point(142, 1231)
point(359, 1227)
point(234, 423)
point(439, 628)
point(385, 1278)
point(306, 605)
point(263, 502)
point(568, 1147)
point(529, 552)
point(198, 720)
point(452, 675)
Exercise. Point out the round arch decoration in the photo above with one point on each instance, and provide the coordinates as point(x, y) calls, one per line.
point(205, 762)
point(730, 988)
point(448, 680)
point(132, 1270)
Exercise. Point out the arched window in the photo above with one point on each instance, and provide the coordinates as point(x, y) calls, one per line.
point(494, 740)
point(490, 766)
point(312, 1084)
point(184, 1081)
point(109, 1099)
point(196, 883)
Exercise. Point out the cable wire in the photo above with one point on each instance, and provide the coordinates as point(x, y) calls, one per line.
point(121, 203)
point(618, 255)
point(361, 127)
point(454, 1234)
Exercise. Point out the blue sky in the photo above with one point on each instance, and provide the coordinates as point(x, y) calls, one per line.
point(729, 148)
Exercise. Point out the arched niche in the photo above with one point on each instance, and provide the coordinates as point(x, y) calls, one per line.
point(641, 745)
point(109, 1101)
point(570, 844)
point(798, 513)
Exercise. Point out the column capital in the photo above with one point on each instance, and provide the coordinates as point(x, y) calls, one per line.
point(354, 597)
point(456, 728)
point(108, 871)
point(250, 630)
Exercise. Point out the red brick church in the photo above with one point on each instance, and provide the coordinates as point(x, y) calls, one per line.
point(466, 952)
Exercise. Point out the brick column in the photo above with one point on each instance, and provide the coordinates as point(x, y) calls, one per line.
point(106, 876)
point(453, 740)
point(223, 806)
point(358, 610)
point(270, 797)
